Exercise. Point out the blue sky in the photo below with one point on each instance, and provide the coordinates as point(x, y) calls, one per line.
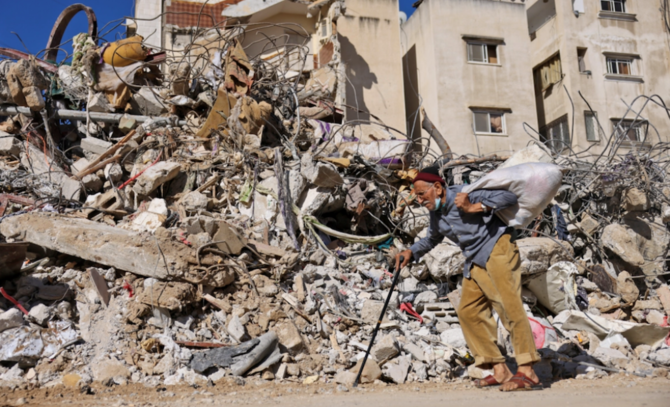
point(34, 28)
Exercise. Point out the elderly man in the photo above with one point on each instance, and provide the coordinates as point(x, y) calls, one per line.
point(492, 277)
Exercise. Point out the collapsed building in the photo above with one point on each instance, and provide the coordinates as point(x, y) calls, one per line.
point(218, 208)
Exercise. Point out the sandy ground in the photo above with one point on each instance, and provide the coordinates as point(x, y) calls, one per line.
point(614, 391)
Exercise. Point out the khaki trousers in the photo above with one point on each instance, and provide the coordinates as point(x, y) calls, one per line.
point(496, 287)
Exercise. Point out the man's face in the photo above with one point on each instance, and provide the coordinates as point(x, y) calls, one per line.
point(426, 193)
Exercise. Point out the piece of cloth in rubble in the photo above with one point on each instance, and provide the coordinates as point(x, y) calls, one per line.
point(496, 286)
point(560, 223)
point(475, 233)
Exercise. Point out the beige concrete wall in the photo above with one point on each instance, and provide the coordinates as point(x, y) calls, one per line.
point(450, 85)
point(369, 35)
point(151, 30)
point(645, 37)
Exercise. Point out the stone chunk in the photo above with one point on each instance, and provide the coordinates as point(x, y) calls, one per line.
point(113, 172)
point(371, 311)
point(635, 200)
point(92, 182)
point(320, 174)
point(108, 370)
point(9, 145)
point(10, 319)
point(371, 371)
point(236, 329)
point(617, 239)
point(444, 260)
point(95, 145)
point(627, 288)
point(397, 372)
point(40, 313)
point(539, 253)
point(289, 337)
point(385, 349)
point(231, 243)
point(453, 337)
point(156, 176)
point(588, 224)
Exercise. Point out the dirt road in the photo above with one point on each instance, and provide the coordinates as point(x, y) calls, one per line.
point(614, 391)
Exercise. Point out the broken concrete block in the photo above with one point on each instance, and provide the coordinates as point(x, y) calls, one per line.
point(539, 253)
point(589, 225)
point(148, 102)
point(34, 98)
point(320, 174)
point(127, 123)
point(108, 370)
point(627, 288)
point(100, 243)
point(371, 371)
point(99, 103)
point(385, 349)
point(289, 337)
point(397, 372)
point(151, 219)
point(229, 241)
point(371, 311)
point(194, 201)
point(453, 337)
point(95, 145)
point(444, 261)
point(156, 176)
point(616, 238)
point(415, 350)
point(40, 313)
point(236, 329)
point(80, 165)
point(10, 319)
point(9, 145)
point(655, 317)
point(92, 182)
point(113, 172)
point(635, 200)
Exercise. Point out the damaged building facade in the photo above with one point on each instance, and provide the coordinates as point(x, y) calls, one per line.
point(205, 203)
point(337, 39)
point(605, 54)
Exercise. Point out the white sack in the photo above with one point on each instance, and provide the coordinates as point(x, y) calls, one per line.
point(534, 184)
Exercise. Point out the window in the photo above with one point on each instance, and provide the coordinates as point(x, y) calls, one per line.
point(489, 122)
point(557, 135)
point(551, 72)
point(581, 59)
point(634, 132)
point(591, 123)
point(619, 66)
point(482, 53)
point(618, 6)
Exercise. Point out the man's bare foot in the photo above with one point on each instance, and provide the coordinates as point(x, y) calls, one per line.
point(519, 383)
point(501, 373)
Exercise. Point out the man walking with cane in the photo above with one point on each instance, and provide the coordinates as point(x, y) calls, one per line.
point(492, 275)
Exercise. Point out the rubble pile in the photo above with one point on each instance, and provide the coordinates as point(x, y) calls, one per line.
point(209, 216)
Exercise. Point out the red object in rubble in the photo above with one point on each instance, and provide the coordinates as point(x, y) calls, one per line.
point(10, 298)
point(407, 307)
point(127, 286)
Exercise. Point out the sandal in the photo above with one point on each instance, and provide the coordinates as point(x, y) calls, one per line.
point(523, 383)
point(488, 381)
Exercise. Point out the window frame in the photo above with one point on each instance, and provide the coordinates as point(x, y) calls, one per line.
point(625, 128)
point(581, 60)
point(617, 60)
point(596, 128)
point(612, 4)
point(485, 46)
point(552, 142)
point(501, 113)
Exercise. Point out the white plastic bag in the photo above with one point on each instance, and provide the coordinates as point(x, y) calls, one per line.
point(534, 184)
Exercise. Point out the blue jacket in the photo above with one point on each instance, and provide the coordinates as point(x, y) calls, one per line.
point(475, 233)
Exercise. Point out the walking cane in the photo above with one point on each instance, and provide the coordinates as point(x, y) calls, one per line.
point(379, 322)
